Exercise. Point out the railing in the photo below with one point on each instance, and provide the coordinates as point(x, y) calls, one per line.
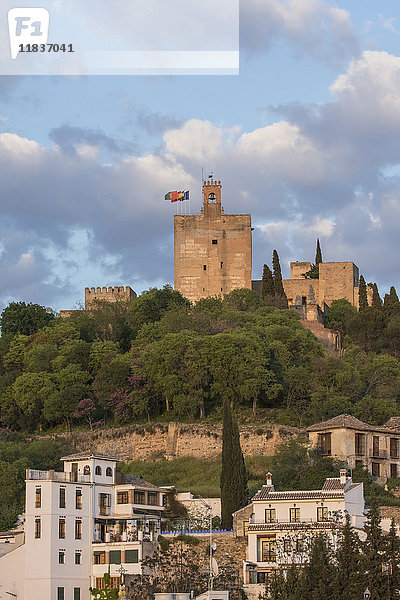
point(304, 523)
point(62, 476)
point(378, 453)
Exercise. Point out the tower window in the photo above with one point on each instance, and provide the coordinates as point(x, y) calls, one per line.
point(212, 197)
point(222, 264)
point(204, 267)
point(214, 242)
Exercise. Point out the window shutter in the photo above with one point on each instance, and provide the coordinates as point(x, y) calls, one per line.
point(131, 556)
point(115, 557)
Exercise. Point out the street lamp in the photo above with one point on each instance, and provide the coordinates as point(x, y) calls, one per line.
point(367, 594)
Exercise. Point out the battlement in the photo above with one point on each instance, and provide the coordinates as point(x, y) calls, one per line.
point(108, 294)
point(210, 182)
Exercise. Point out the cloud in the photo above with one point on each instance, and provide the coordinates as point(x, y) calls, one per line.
point(69, 219)
point(313, 28)
point(73, 140)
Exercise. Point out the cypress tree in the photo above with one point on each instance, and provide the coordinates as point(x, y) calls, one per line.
point(349, 581)
point(233, 472)
point(280, 296)
point(373, 550)
point(391, 302)
point(317, 579)
point(362, 294)
point(267, 292)
point(318, 255)
point(376, 299)
point(392, 560)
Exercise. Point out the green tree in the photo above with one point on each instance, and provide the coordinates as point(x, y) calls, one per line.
point(376, 299)
point(375, 411)
point(39, 358)
point(341, 316)
point(373, 550)
point(243, 300)
point(25, 319)
point(30, 390)
point(318, 575)
point(362, 294)
point(107, 593)
point(280, 296)
point(349, 580)
point(391, 304)
point(233, 471)
point(267, 292)
point(313, 273)
point(392, 560)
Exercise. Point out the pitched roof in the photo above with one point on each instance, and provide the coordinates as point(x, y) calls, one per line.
point(341, 421)
point(89, 455)
point(349, 422)
point(332, 488)
point(138, 482)
point(393, 423)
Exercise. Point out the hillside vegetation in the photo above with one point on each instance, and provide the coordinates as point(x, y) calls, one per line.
point(160, 358)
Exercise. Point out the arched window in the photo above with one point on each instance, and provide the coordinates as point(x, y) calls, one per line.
point(86, 470)
point(212, 197)
point(98, 470)
point(109, 472)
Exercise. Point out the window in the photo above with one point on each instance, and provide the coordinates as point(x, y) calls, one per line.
point(375, 445)
point(78, 499)
point(104, 503)
point(131, 556)
point(99, 558)
point(139, 497)
point(61, 557)
point(60, 593)
point(100, 585)
point(322, 513)
point(287, 545)
point(78, 530)
point(214, 242)
point(360, 444)
point(122, 497)
point(394, 448)
point(86, 470)
point(38, 529)
point(164, 500)
point(38, 497)
point(204, 267)
point(61, 529)
point(152, 498)
point(78, 558)
point(393, 470)
point(270, 515)
point(62, 497)
point(109, 472)
point(98, 470)
point(77, 593)
point(376, 469)
point(268, 549)
point(299, 545)
point(212, 197)
point(324, 443)
point(115, 557)
point(294, 515)
point(222, 264)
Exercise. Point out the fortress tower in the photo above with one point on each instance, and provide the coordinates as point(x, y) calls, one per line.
point(110, 294)
point(212, 251)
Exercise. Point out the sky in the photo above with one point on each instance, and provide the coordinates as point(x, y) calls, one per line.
point(306, 138)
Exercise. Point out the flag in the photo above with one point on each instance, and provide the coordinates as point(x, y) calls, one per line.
point(185, 195)
point(172, 196)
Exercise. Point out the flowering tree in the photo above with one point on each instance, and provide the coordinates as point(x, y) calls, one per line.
point(85, 410)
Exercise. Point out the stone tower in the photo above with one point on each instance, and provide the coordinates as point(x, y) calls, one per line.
point(212, 251)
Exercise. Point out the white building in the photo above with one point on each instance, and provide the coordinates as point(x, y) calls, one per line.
point(282, 524)
point(80, 522)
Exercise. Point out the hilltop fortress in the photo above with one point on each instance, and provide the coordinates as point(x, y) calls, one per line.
point(213, 256)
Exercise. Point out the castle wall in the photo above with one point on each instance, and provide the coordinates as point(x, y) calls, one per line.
point(297, 269)
point(338, 280)
point(212, 251)
point(108, 294)
point(297, 289)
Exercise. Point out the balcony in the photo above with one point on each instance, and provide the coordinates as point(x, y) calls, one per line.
point(378, 453)
point(61, 476)
point(287, 525)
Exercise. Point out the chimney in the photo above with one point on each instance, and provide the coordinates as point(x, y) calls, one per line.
point(269, 481)
point(343, 476)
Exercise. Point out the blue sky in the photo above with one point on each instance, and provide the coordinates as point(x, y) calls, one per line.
point(306, 139)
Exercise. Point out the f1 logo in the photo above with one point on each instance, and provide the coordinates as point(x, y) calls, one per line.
point(27, 25)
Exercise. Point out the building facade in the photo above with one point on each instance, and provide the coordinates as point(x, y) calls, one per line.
point(82, 522)
point(212, 251)
point(281, 525)
point(359, 444)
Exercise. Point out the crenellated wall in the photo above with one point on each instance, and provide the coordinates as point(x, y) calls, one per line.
point(108, 294)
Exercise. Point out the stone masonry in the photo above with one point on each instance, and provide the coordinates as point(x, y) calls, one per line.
point(212, 251)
